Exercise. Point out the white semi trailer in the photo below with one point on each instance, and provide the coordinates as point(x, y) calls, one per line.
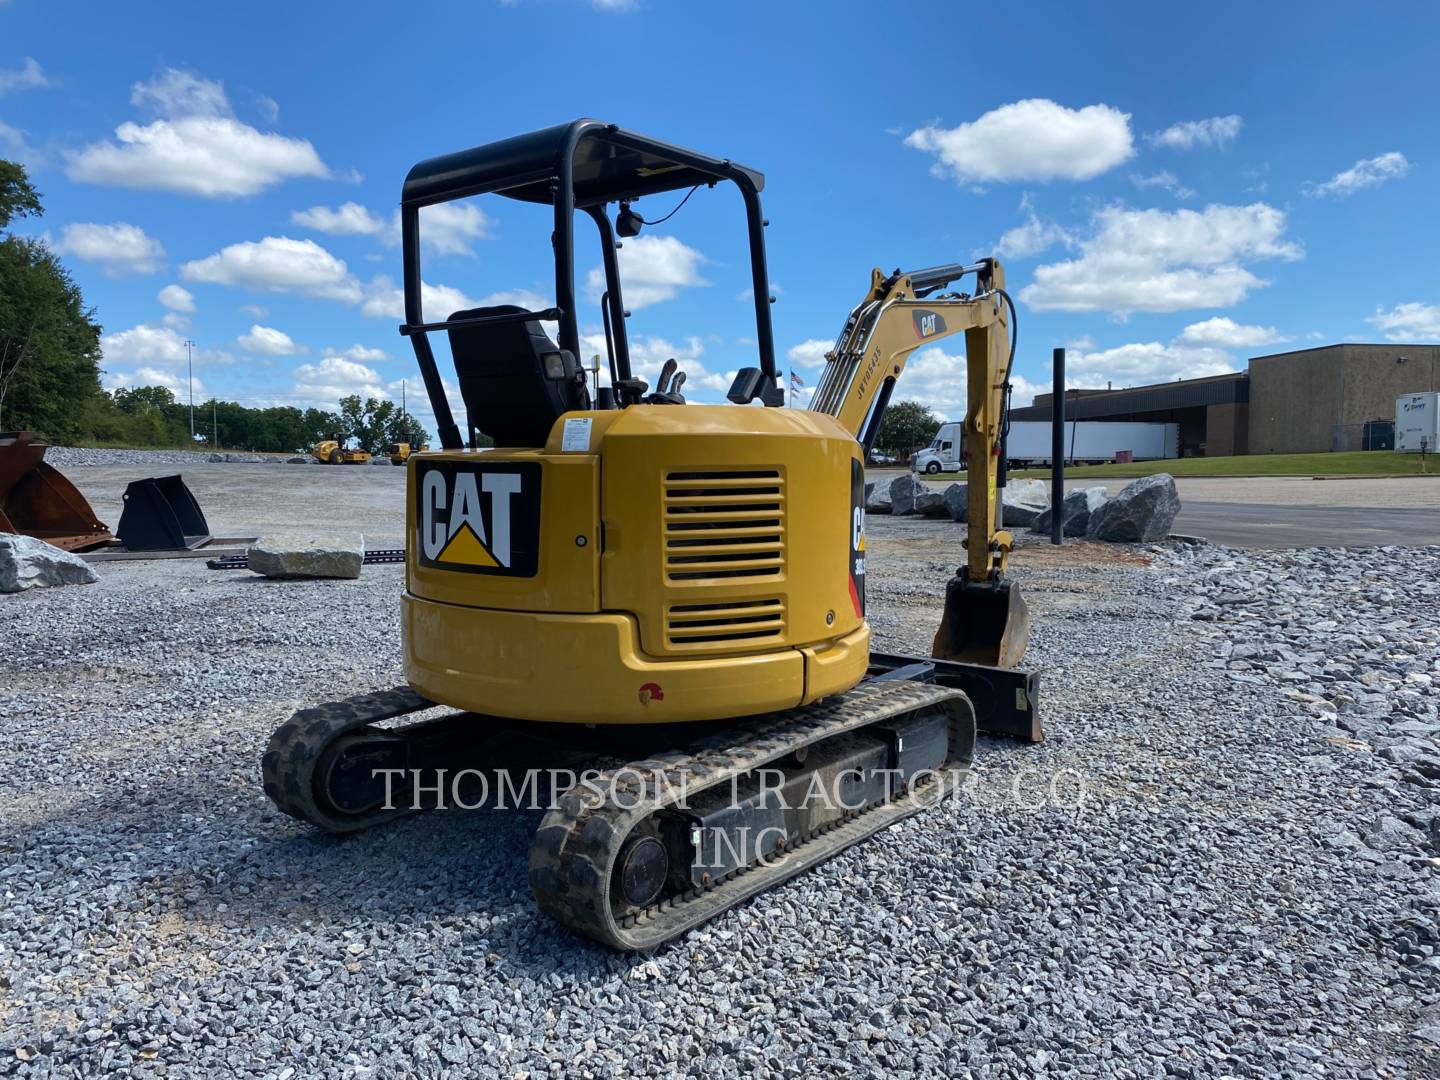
point(1086, 442)
point(1417, 423)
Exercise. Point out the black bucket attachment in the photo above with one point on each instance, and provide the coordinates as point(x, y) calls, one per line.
point(160, 514)
point(985, 622)
point(36, 500)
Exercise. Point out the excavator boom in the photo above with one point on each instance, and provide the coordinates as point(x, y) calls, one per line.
point(985, 621)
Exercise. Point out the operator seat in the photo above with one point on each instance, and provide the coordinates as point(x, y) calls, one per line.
point(502, 377)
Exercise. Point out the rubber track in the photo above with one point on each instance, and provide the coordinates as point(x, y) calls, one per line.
point(288, 766)
point(573, 856)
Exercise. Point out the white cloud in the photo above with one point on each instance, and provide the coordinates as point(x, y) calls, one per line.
point(615, 7)
point(360, 354)
point(267, 341)
point(1156, 260)
point(1031, 238)
point(1035, 139)
point(255, 309)
point(143, 344)
point(1166, 181)
point(174, 94)
point(333, 378)
point(347, 219)
point(176, 321)
point(17, 147)
point(174, 381)
point(1226, 333)
point(652, 269)
point(28, 76)
point(809, 352)
point(268, 107)
point(1216, 131)
point(1370, 172)
point(386, 300)
point(278, 264)
point(1141, 363)
point(448, 228)
point(120, 248)
point(177, 298)
point(197, 147)
point(1408, 322)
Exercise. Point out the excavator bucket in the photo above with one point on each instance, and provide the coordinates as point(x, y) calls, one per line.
point(36, 500)
point(985, 622)
point(161, 514)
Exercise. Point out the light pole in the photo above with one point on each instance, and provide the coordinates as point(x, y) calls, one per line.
point(190, 364)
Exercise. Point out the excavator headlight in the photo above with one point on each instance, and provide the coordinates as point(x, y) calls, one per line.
point(554, 363)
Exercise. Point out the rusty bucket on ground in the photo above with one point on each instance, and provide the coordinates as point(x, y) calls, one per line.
point(36, 500)
point(985, 622)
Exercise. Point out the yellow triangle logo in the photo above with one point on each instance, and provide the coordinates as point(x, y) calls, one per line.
point(861, 547)
point(465, 547)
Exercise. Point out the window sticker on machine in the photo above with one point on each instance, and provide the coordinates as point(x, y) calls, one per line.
point(576, 435)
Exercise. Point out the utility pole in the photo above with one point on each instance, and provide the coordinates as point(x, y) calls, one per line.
point(190, 363)
point(214, 423)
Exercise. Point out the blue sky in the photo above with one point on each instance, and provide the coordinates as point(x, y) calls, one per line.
point(1172, 191)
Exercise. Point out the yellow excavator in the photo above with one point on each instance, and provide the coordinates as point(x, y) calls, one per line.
point(669, 594)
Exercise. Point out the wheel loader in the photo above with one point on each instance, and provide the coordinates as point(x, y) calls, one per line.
point(672, 594)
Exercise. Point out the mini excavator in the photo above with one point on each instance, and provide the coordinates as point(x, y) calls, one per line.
point(673, 593)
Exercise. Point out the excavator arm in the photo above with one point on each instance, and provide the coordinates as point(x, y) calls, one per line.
point(985, 617)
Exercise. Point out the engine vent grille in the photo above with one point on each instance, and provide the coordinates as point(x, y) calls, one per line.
point(746, 622)
point(724, 526)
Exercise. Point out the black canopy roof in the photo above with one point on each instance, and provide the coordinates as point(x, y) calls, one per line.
point(609, 164)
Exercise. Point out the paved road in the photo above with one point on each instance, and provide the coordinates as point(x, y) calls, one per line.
point(1272, 526)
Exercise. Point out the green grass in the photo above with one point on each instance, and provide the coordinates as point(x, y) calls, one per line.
point(1358, 463)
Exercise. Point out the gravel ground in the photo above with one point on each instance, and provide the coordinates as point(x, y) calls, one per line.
point(1235, 872)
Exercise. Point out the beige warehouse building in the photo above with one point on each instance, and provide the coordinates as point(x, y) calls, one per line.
point(1298, 402)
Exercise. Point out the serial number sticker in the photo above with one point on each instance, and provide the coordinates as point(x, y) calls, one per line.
point(576, 435)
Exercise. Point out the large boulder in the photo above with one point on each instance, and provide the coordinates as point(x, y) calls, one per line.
point(314, 557)
point(27, 563)
point(957, 501)
point(216, 459)
point(302, 459)
point(1143, 512)
point(1023, 501)
point(909, 495)
point(1075, 512)
point(238, 459)
point(877, 499)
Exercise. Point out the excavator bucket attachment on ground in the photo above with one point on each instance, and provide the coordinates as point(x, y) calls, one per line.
point(161, 514)
point(36, 500)
point(985, 622)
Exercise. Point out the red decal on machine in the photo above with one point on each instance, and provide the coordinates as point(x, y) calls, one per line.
point(651, 692)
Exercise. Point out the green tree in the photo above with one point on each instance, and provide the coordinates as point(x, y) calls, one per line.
point(49, 341)
point(906, 427)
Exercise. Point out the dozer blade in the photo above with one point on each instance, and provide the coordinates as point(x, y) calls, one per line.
point(160, 515)
point(36, 500)
point(984, 623)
